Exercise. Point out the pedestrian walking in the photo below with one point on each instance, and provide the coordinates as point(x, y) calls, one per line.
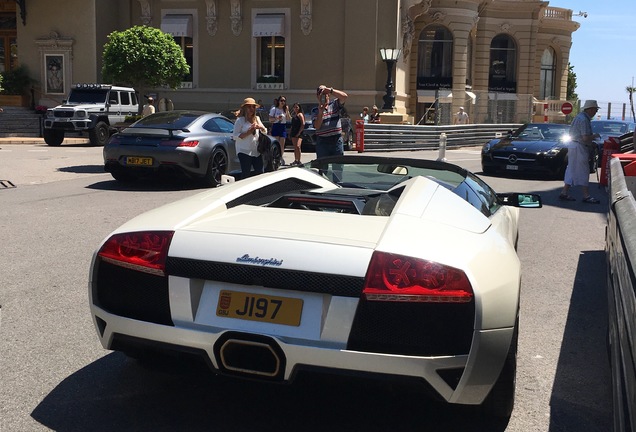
point(577, 172)
point(247, 128)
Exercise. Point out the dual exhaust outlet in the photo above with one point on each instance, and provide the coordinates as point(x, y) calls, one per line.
point(250, 355)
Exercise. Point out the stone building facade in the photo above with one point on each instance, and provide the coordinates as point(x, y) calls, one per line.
point(498, 59)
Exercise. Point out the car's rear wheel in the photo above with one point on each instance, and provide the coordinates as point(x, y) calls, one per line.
point(348, 140)
point(217, 166)
point(53, 137)
point(123, 175)
point(100, 134)
point(501, 399)
point(277, 157)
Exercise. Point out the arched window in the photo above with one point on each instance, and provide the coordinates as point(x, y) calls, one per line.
point(503, 65)
point(548, 74)
point(435, 58)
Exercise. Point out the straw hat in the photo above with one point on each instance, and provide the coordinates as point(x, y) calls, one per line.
point(250, 101)
point(590, 103)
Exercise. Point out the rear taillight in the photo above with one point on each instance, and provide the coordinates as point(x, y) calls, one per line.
point(189, 143)
point(179, 142)
point(141, 251)
point(400, 278)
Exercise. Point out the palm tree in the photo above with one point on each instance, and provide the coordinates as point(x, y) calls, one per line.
point(631, 90)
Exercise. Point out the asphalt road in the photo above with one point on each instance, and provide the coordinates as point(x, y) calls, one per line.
point(54, 375)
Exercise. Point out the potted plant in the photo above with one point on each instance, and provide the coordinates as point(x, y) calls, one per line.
point(15, 87)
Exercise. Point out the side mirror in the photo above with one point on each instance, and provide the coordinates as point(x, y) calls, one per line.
point(393, 169)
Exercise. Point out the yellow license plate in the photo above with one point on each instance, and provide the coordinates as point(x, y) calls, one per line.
point(258, 307)
point(134, 160)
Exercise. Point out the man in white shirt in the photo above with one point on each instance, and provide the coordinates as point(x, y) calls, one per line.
point(149, 108)
point(461, 117)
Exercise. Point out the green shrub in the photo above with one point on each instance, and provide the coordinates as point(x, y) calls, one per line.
point(16, 81)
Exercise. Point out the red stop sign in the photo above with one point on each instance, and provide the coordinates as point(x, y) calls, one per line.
point(566, 108)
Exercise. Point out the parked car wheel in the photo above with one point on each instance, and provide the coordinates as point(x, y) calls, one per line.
point(277, 156)
point(217, 166)
point(123, 175)
point(348, 140)
point(53, 137)
point(99, 136)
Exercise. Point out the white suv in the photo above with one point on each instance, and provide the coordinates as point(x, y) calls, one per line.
point(92, 108)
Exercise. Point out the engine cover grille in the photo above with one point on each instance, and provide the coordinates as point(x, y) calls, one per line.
point(338, 285)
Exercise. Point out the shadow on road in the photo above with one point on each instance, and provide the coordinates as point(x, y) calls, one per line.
point(115, 393)
point(83, 169)
point(149, 184)
point(581, 397)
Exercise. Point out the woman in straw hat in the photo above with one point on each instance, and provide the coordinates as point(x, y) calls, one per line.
point(247, 128)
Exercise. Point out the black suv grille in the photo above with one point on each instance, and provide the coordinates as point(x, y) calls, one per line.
point(63, 114)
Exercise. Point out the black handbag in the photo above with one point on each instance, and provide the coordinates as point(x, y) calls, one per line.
point(264, 143)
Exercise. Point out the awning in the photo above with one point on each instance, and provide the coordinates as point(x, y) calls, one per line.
point(268, 25)
point(177, 25)
point(428, 96)
point(471, 95)
point(502, 96)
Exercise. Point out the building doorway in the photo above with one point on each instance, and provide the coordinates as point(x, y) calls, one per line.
point(8, 37)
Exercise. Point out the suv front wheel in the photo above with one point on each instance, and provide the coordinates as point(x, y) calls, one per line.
point(53, 137)
point(100, 134)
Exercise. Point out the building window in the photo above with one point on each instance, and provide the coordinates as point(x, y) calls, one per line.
point(503, 65)
point(435, 58)
point(548, 74)
point(271, 59)
point(180, 27)
point(271, 52)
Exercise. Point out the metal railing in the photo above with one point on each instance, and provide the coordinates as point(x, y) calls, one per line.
point(389, 137)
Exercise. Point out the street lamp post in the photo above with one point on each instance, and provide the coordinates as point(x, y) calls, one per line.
point(390, 57)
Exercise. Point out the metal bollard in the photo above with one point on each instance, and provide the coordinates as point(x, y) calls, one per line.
point(442, 147)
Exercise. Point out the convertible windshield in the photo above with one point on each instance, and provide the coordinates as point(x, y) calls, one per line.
point(610, 128)
point(542, 131)
point(370, 172)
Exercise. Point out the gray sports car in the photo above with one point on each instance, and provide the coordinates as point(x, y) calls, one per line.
point(193, 143)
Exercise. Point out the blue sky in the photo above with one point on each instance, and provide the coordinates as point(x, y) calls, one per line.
point(603, 48)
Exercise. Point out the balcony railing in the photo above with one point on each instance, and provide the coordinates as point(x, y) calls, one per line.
point(555, 13)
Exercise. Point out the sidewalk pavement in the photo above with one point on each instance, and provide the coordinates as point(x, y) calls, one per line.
point(38, 140)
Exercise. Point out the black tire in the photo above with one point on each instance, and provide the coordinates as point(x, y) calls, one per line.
point(124, 176)
point(501, 400)
point(488, 170)
point(53, 137)
point(348, 140)
point(100, 134)
point(277, 156)
point(594, 161)
point(217, 166)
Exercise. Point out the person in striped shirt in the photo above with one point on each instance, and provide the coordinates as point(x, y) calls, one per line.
point(328, 126)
